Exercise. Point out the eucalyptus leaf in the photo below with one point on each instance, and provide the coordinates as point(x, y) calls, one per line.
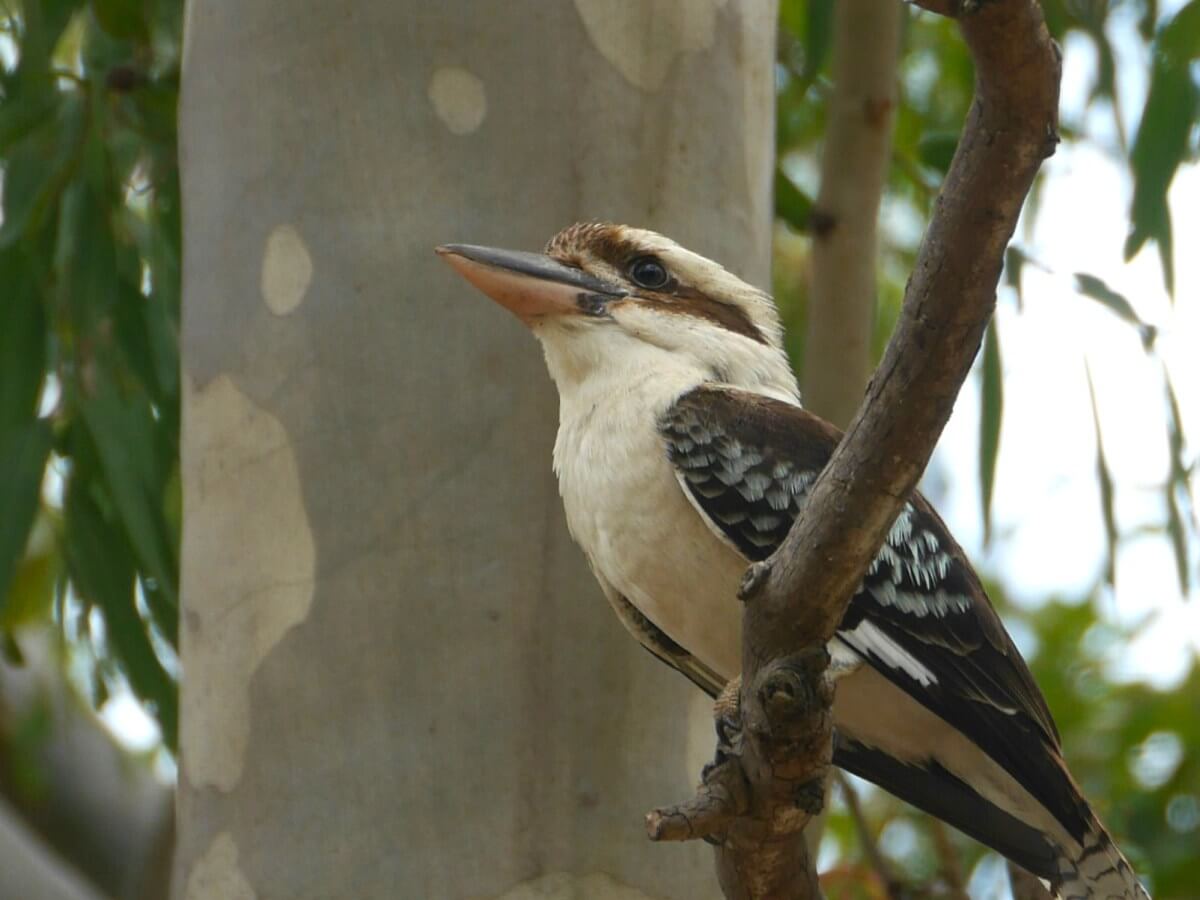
point(1178, 487)
point(1014, 268)
point(85, 258)
point(43, 24)
point(990, 416)
point(123, 19)
point(36, 169)
point(1107, 491)
point(103, 568)
point(1117, 303)
point(24, 449)
point(1162, 141)
point(936, 149)
point(22, 342)
point(24, 110)
point(817, 36)
point(123, 432)
point(791, 203)
point(1179, 40)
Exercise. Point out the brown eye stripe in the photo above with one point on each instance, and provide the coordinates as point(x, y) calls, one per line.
point(603, 240)
point(687, 301)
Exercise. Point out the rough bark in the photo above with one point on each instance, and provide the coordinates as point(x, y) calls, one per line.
point(795, 599)
point(854, 165)
point(400, 678)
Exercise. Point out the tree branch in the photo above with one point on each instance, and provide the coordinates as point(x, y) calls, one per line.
point(1010, 128)
point(796, 599)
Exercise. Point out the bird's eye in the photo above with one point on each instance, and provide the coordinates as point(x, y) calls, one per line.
point(648, 272)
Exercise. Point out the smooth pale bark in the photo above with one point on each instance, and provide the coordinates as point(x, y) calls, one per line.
point(854, 165)
point(399, 677)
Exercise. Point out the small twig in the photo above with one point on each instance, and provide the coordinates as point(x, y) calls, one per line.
point(720, 798)
point(948, 862)
point(1026, 886)
point(893, 885)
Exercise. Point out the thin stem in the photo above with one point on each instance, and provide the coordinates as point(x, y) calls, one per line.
point(866, 837)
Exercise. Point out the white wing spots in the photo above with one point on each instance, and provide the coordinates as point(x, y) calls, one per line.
point(868, 639)
point(799, 482)
point(754, 486)
point(908, 569)
point(778, 497)
point(748, 496)
point(842, 660)
point(902, 527)
point(753, 497)
point(641, 40)
point(766, 522)
point(287, 270)
point(458, 99)
point(938, 602)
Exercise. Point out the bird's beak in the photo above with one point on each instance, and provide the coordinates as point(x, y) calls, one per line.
point(530, 285)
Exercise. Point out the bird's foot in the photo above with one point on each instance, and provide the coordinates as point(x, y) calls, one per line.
point(727, 718)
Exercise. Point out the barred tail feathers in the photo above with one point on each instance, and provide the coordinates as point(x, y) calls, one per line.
point(1098, 871)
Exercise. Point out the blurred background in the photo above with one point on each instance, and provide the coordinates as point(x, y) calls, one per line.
point(1068, 471)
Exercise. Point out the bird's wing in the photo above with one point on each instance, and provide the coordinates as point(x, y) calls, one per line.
point(921, 617)
point(654, 639)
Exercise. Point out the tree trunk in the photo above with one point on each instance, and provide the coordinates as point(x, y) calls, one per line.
point(400, 679)
point(854, 165)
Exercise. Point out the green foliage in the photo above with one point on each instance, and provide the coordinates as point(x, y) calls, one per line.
point(792, 205)
point(1164, 137)
point(24, 448)
point(1131, 746)
point(89, 255)
point(1107, 493)
point(1118, 304)
point(990, 416)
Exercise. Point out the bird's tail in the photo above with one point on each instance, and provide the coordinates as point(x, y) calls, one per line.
point(1097, 871)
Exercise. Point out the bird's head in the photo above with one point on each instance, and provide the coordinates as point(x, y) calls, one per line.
point(611, 298)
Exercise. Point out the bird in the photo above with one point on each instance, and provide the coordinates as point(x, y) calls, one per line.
point(683, 455)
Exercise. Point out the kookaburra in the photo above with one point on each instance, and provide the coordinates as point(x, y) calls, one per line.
point(683, 455)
